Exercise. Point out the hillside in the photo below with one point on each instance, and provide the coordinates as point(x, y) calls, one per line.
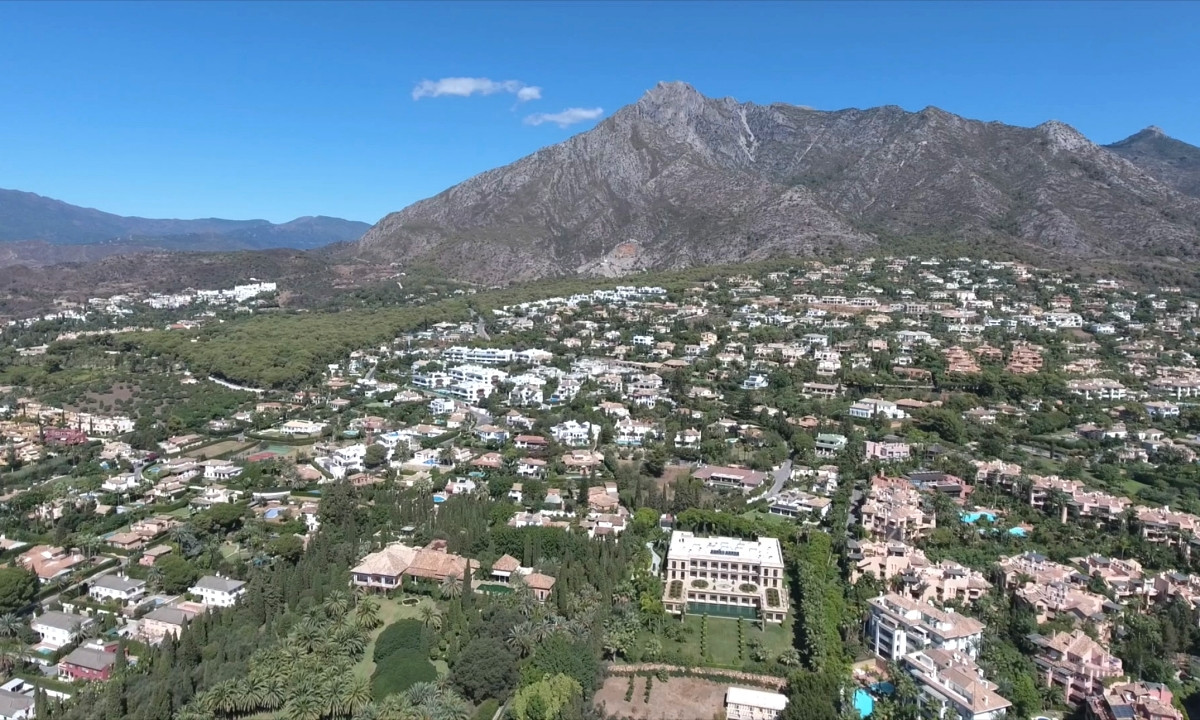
point(1172, 161)
point(679, 179)
point(36, 230)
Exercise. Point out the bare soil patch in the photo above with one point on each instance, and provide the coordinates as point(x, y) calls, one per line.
point(679, 698)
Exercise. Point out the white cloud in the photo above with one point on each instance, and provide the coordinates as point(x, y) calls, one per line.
point(570, 116)
point(466, 87)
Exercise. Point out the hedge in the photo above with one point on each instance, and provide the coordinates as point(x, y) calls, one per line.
point(407, 637)
point(400, 671)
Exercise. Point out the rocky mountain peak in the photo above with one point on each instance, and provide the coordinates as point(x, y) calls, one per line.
point(680, 179)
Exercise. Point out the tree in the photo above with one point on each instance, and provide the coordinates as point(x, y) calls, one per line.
point(177, 574)
point(375, 456)
point(287, 548)
point(485, 669)
point(18, 587)
point(546, 699)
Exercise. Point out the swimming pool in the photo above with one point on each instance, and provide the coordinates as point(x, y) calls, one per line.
point(973, 517)
point(1017, 532)
point(863, 703)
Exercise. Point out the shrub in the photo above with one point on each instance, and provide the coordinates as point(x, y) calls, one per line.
point(676, 589)
point(772, 597)
point(700, 584)
point(408, 636)
point(649, 687)
point(398, 672)
point(748, 587)
point(629, 689)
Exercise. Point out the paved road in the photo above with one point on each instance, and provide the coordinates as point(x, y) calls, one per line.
point(482, 417)
point(781, 476)
point(480, 328)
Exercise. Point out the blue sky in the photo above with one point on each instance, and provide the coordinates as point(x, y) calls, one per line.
point(276, 110)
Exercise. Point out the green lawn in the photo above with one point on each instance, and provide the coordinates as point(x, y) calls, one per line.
point(723, 640)
point(390, 610)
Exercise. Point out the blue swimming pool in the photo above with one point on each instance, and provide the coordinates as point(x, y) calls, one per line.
point(1017, 532)
point(973, 517)
point(863, 703)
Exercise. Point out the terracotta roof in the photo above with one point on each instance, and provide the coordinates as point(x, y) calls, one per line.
point(538, 581)
point(506, 563)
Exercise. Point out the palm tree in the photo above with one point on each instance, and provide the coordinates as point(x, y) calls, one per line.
point(305, 706)
point(451, 587)
point(10, 625)
point(222, 698)
point(355, 695)
point(337, 603)
point(395, 707)
point(367, 612)
point(423, 693)
point(522, 639)
point(451, 707)
point(348, 639)
point(430, 616)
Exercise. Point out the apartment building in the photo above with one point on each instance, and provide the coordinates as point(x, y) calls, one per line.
point(1076, 663)
point(1163, 525)
point(898, 625)
point(894, 510)
point(953, 686)
point(1134, 701)
point(725, 576)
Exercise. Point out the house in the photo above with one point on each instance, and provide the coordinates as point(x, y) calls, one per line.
point(387, 568)
point(15, 706)
point(152, 555)
point(531, 443)
point(887, 451)
point(156, 625)
point(755, 382)
point(575, 434)
point(89, 663)
point(830, 444)
point(742, 479)
point(220, 470)
point(747, 704)
point(491, 433)
point(504, 567)
point(531, 467)
point(58, 629)
point(117, 588)
point(541, 585)
point(219, 591)
point(126, 541)
point(49, 563)
point(869, 408)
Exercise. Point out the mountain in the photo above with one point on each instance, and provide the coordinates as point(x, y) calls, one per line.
point(1171, 161)
point(36, 230)
point(679, 179)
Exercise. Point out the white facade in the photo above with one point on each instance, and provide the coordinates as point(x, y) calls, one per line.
point(218, 591)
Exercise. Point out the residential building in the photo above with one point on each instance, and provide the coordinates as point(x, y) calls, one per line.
point(387, 568)
point(88, 663)
point(218, 591)
point(1134, 701)
point(1076, 663)
point(953, 686)
point(725, 576)
point(748, 704)
point(742, 479)
point(58, 629)
point(898, 625)
point(118, 588)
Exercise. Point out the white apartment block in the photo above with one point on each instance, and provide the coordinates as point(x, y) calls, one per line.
point(725, 576)
point(898, 626)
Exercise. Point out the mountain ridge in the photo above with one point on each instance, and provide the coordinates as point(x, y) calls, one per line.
point(39, 230)
point(680, 179)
